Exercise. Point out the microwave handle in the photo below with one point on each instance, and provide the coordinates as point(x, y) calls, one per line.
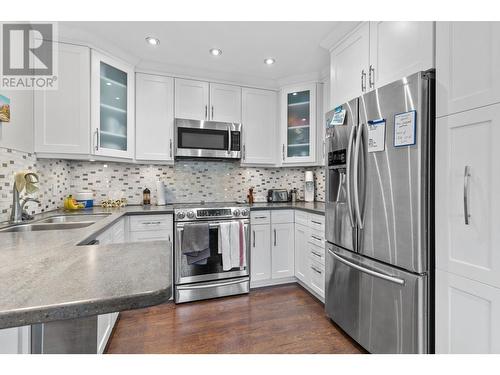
point(228, 139)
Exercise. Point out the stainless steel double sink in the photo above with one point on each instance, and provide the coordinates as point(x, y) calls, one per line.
point(57, 222)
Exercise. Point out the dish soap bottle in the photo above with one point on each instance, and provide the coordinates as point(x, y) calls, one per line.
point(146, 197)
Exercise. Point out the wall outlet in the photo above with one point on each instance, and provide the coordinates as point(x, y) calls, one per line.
point(54, 190)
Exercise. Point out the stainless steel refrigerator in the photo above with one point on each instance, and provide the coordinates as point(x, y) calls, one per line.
point(379, 216)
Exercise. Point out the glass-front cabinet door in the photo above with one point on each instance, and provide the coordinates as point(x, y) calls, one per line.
point(112, 107)
point(298, 133)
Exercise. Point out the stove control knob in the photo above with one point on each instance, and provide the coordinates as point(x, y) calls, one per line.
point(244, 212)
point(181, 215)
point(236, 212)
point(190, 214)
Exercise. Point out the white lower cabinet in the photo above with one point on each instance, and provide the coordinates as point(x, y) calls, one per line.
point(282, 251)
point(467, 314)
point(317, 277)
point(15, 340)
point(260, 250)
point(301, 252)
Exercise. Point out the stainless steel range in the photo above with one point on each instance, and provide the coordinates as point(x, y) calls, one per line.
point(211, 278)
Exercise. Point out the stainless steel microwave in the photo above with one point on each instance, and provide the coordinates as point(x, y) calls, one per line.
point(207, 139)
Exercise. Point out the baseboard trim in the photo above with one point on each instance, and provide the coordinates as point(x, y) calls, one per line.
point(264, 283)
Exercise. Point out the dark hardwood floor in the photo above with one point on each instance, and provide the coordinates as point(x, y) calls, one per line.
point(281, 319)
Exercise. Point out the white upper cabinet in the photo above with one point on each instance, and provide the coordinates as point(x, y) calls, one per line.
point(62, 116)
point(154, 118)
point(113, 93)
point(378, 53)
point(467, 65)
point(467, 199)
point(191, 99)
point(298, 124)
point(399, 49)
point(349, 65)
point(225, 103)
point(259, 119)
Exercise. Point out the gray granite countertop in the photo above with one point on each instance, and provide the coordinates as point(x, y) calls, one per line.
point(46, 276)
point(313, 207)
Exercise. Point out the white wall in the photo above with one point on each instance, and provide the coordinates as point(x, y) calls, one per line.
point(18, 133)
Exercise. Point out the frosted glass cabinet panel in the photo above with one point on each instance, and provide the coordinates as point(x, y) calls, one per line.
point(112, 107)
point(299, 116)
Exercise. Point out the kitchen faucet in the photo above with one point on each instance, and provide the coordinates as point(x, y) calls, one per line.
point(18, 213)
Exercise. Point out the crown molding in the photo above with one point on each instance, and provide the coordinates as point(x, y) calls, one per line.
point(340, 30)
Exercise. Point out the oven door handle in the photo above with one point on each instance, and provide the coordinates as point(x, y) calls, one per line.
point(211, 285)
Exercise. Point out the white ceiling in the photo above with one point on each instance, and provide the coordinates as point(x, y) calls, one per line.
point(184, 47)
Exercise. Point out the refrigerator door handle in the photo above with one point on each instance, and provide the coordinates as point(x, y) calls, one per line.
point(356, 176)
point(368, 271)
point(348, 176)
point(467, 176)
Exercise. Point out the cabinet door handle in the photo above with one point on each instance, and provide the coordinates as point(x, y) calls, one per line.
point(371, 76)
point(206, 112)
point(253, 232)
point(467, 176)
point(283, 151)
point(316, 222)
point(363, 81)
point(260, 217)
point(275, 237)
point(170, 147)
point(317, 254)
point(96, 143)
point(316, 238)
point(212, 112)
point(316, 270)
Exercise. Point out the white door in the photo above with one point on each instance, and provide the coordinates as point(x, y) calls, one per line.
point(467, 65)
point(191, 99)
point(62, 116)
point(282, 250)
point(16, 340)
point(468, 179)
point(349, 65)
point(467, 315)
point(225, 103)
point(112, 107)
point(260, 252)
point(260, 126)
point(301, 253)
point(298, 127)
point(399, 49)
point(154, 134)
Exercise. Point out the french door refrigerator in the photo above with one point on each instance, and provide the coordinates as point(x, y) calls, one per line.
point(379, 216)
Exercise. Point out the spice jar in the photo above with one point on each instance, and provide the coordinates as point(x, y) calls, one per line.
point(146, 197)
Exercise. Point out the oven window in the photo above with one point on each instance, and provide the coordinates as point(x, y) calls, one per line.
point(206, 139)
point(214, 263)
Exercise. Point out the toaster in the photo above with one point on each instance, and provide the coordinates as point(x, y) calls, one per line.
point(277, 195)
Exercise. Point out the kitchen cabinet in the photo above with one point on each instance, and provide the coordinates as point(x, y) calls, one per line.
point(112, 107)
point(349, 64)
point(467, 65)
point(62, 116)
point(225, 103)
point(154, 133)
point(150, 228)
point(378, 53)
point(191, 99)
point(399, 49)
point(260, 253)
point(298, 128)
point(301, 252)
point(259, 119)
point(282, 250)
point(16, 340)
point(467, 314)
point(467, 201)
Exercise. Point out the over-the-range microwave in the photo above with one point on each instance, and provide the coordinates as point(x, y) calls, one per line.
point(207, 139)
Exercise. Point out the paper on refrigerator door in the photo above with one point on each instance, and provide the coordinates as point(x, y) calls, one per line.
point(376, 135)
point(405, 129)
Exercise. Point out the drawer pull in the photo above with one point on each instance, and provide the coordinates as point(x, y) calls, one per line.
point(152, 222)
point(260, 217)
point(316, 270)
point(317, 254)
point(316, 237)
point(316, 222)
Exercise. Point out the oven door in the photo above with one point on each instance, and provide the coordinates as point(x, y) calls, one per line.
point(189, 273)
point(207, 139)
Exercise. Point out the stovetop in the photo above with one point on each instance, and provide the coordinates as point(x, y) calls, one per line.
point(211, 211)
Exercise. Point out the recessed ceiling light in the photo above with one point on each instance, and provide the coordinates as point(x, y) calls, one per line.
point(117, 98)
point(215, 51)
point(269, 61)
point(108, 83)
point(152, 41)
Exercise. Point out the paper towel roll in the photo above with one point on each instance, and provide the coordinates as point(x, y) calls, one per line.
point(160, 193)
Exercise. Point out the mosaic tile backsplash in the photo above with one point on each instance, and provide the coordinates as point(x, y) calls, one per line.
point(54, 181)
point(186, 181)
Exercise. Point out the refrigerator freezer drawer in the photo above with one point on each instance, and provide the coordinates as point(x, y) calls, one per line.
point(381, 307)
